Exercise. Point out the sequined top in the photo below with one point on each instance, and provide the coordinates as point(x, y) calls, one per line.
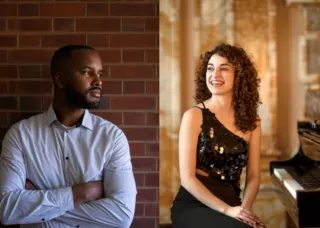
point(220, 153)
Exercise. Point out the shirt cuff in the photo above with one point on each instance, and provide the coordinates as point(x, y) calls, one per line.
point(65, 197)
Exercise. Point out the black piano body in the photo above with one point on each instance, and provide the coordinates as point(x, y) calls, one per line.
point(297, 181)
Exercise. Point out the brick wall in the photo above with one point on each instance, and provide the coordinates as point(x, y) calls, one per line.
point(126, 35)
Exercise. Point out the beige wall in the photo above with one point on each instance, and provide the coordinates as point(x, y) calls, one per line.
point(290, 89)
point(271, 36)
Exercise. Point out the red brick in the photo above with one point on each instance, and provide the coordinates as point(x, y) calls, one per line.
point(29, 25)
point(157, 8)
point(141, 134)
point(152, 179)
point(30, 103)
point(137, 148)
point(152, 24)
point(3, 87)
point(133, 24)
point(133, 56)
point(147, 195)
point(152, 149)
point(157, 71)
point(8, 71)
point(98, 40)
point(144, 164)
point(157, 40)
point(97, 9)
point(9, 102)
point(151, 209)
point(133, 103)
point(134, 118)
point(97, 24)
point(29, 41)
point(3, 56)
point(62, 40)
point(139, 178)
point(4, 122)
point(30, 56)
point(8, 10)
point(104, 102)
point(8, 41)
point(3, 25)
point(30, 87)
point(110, 56)
point(46, 101)
point(112, 87)
point(153, 119)
point(152, 56)
point(45, 71)
point(152, 87)
point(63, 24)
point(62, 9)
point(15, 117)
point(132, 40)
point(28, 10)
point(132, 9)
point(37, 0)
point(139, 209)
point(144, 223)
point(132, 72)
point(136, 87)
point(113, 117)
point(30, 71)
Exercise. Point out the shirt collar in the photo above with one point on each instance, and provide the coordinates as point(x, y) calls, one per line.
point(85, 121)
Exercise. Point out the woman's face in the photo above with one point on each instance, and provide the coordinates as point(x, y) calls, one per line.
point(220, 75)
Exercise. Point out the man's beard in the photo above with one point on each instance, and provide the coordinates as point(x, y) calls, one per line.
point(76, 100)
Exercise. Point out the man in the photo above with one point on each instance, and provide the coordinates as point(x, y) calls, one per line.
point(67, 167)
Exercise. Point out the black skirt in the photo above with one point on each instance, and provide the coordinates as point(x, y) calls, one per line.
point(188, 212)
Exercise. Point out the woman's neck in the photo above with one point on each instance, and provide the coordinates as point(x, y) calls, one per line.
point(221, 104)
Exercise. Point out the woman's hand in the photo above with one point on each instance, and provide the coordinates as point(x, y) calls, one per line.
point(245, 216)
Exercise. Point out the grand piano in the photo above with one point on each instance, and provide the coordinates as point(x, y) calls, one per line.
point(297, 181)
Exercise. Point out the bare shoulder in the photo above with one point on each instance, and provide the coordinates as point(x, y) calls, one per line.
point(193, 115)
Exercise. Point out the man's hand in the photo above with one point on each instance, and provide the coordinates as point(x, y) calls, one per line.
point(29, 185)
point(86, 192)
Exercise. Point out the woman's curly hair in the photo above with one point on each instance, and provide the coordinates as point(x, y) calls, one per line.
point(245, 89)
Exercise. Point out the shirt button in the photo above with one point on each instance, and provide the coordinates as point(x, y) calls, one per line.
point(67, 158)
point(43, 219)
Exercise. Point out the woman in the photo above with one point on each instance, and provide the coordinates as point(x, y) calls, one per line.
point(219, 137)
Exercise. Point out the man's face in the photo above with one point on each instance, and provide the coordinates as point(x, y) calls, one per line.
point(84, 86)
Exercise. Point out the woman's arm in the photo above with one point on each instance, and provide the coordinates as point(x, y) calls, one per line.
point(188, 139)
point(253, 168)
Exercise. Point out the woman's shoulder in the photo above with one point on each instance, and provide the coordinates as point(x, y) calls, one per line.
point(194, 113)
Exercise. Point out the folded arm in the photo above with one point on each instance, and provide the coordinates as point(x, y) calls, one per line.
point(18, 205)
point(117, 208)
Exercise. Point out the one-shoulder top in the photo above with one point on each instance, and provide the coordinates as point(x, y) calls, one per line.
point(220, 153)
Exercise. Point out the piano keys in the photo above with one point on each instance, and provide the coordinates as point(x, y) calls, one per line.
point(297, 181)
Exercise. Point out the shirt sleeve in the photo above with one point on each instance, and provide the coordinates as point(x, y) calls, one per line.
point(116, 210)
point(21, 206)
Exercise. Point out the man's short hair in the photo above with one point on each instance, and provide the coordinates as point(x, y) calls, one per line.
point(63, 56)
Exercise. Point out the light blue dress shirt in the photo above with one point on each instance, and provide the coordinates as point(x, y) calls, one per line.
point(54, 157)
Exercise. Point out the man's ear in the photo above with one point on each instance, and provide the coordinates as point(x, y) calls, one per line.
point(59, 80)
